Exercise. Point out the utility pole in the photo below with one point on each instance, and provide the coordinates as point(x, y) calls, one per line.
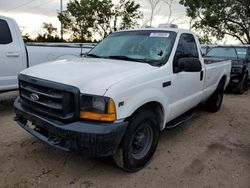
point(61, 10)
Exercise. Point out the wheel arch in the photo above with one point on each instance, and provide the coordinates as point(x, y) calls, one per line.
point(156, 107)
point(224, 80)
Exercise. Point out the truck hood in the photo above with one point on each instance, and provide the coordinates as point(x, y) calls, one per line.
point(90, 75)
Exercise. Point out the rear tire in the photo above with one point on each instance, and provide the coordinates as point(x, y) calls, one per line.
point(243, 85)
point(139, 142)
point(213, 104)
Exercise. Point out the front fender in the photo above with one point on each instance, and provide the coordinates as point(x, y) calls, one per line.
point(135, 101)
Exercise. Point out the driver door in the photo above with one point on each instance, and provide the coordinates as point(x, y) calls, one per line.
point(187, 86)
point(11, 59)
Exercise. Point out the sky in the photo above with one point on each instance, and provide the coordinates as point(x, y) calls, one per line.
point(30, 14)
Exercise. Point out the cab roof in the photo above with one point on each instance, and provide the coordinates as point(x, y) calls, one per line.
point(176, 30)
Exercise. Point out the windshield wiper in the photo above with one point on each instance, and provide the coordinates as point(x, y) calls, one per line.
point(121, 57)
point(93, 55)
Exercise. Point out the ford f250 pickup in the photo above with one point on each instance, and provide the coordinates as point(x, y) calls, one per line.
point(15, 56)
point(117, 99)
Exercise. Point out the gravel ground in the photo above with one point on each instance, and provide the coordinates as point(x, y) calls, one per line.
point(212, 150)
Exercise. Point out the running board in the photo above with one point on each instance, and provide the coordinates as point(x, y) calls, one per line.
point(180, 120)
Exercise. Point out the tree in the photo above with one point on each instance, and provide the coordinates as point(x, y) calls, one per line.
point(78, 18)
point(83, 18)
point(153, 6)
point(27, 38)
point(49, 34)
point(49, 30)
point(103, 17)
point(110, 17)
point(219, 18)
point(130, 13)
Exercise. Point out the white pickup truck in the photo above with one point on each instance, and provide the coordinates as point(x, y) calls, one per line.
point(117, 99)
point(15, 56)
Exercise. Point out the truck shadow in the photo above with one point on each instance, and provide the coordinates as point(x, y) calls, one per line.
point(7, 100)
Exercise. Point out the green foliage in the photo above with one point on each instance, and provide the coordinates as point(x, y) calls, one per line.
point(85, 17)
point(205, 39)
point(221, 17)
point(27, 38)
point(129, 12)
point(49, 34)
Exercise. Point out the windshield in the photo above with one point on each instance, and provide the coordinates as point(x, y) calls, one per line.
point(152, 47)
point(228, 52)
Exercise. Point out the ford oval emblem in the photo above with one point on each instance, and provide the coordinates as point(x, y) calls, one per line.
point(34, 97)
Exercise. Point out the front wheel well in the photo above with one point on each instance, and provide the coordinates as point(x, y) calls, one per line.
point(223, 80)
point(153, 106)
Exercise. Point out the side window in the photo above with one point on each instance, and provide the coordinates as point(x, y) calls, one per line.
point(5, 35)
point(187, 47)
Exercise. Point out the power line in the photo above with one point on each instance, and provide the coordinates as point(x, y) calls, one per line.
point(32, 7)
point(40, 5)
point(19, 6)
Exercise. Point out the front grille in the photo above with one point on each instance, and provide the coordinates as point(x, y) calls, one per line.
point(49, 98)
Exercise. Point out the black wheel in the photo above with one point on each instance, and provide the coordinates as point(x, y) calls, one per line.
point(243, 85)
point(139, 143)
point(214, 102)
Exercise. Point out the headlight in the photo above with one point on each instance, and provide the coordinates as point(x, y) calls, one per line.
point(237, 70)
point(97, 108)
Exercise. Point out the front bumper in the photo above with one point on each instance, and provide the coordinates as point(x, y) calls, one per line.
point(95, 139)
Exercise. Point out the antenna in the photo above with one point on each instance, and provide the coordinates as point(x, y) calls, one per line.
point(61, 10)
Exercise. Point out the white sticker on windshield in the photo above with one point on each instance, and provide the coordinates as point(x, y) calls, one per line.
point(242, 53)
point(166, 35)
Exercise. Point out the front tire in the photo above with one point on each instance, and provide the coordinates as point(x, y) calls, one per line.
point(213, 104)
point(139, 143)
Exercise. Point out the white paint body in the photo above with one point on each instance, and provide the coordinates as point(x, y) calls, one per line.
point(138, 83)
point(13, 56)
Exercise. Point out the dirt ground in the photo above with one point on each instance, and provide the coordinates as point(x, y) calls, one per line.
point(212, 150)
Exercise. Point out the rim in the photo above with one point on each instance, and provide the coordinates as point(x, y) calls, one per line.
point(142, 141)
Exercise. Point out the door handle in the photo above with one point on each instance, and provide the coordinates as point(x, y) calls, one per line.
point(12, 54)
point(201, 75)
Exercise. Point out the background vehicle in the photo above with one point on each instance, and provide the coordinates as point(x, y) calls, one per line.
point(240, 57)
point(16, 56)
point(206, 47)
point(115, 101)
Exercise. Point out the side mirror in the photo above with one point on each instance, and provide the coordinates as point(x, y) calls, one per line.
point(189, 64)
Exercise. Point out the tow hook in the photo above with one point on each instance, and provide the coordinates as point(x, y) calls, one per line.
point(56, 141)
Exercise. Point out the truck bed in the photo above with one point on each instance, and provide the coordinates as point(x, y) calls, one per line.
point(45, 52)
point(209, 60)
point(214, 69)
